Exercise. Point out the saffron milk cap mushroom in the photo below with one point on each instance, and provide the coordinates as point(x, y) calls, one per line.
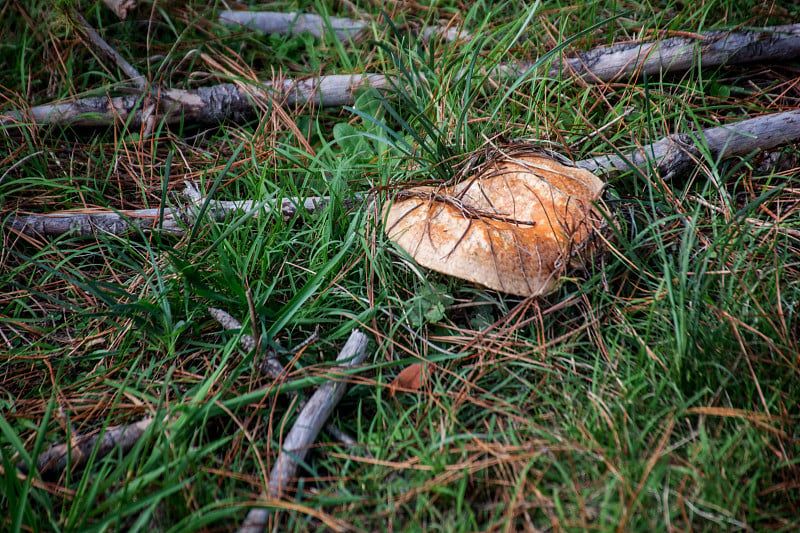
point(514, 224)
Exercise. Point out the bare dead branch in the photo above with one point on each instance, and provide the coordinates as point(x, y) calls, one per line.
point(270, 366)
point(677, 154)
point(56, 458)
point(205, 105)
point(108, 51)
point(672, 156)
point(121, 8)
point(81, 223)
point(710, 49)
point(211, 105)
point(305, 430)
point(270, 22)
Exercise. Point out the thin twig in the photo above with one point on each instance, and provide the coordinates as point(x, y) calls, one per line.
point(106, 49)
point(270, 366)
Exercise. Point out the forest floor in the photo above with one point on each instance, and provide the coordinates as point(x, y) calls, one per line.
point(656, 389)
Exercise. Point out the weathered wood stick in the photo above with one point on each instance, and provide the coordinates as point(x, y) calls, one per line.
point(205, 105)
point(273, 23)
point(270, 366)
point(217, 103)
point(672, 156)
point(100, 44)
point(305, 430)
point(55, 459)
point(709, 49)
point(175, 221)
point(676, 154)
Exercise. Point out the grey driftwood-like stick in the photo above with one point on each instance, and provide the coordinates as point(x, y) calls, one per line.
point(205, 105)
point(175, 220)
point(273, 23)
point(270, 366)
point(55, 459)
point(230, 102)
point(121, 8)
point(673, 54)
point(672, 156)
point(305, 430)
point(676, 154)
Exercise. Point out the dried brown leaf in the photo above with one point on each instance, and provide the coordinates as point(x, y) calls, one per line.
point(409, 379)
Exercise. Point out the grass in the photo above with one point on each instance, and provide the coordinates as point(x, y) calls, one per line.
point(659, 390)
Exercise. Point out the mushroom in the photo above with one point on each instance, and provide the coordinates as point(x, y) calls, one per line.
point(513, 225)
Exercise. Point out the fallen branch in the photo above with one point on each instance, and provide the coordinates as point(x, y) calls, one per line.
point(709, 49)
point(272, 23)
point(58, 456)
point(304, 432)
point(80, 223)
point(270, 366)
point(672, 156)
point(212, 105)
point(205, 105)
point(676, 154)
